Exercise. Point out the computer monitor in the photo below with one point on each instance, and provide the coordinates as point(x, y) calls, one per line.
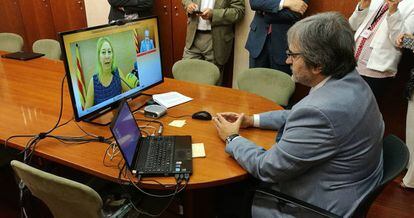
point(108, 63)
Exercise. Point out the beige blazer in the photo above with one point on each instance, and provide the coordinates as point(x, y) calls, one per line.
point(225, 14)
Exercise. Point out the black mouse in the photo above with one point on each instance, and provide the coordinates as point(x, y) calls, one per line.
point(202, 115)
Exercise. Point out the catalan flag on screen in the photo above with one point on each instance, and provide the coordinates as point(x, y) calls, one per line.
point(80, 79)
point(136, 39)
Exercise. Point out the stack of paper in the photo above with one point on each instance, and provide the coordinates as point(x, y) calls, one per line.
point(170, 99)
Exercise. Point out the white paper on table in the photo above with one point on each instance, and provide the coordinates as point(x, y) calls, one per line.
point(170, 99)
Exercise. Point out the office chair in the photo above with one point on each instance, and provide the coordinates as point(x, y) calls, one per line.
point(64, 197)
point(198, 71)
point(49, 47)
point(11, 42)
point(271, 84)
point(395, 155)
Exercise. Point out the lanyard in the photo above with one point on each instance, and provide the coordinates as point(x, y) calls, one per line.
point(381, 11)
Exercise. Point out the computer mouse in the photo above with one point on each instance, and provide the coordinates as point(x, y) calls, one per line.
point(202, 115)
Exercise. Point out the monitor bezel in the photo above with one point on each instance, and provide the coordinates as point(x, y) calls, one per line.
point(113, 105)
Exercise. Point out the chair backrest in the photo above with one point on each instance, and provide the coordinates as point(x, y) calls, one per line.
point(11, 42)
point(198, 71)
point(395, 155)
point(64, 197)
point(49, 47)
point(271, 84)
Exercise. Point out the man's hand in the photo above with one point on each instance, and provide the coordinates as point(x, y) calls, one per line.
point(364, 4)
point(191, 7)
point(399, 40)
point(298, 6)
point(231, 117)
point(392, 6)
point(225, 127)
point(207, 14)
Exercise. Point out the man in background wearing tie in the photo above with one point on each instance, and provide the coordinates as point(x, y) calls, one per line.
point(267, 42)
point(378, 23)
point(330, 153)
point(210, 29)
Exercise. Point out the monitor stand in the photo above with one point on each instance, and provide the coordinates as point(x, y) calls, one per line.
point(139, 102)
point(105, 118)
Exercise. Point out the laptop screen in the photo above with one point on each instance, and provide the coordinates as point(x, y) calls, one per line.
point(126, 133)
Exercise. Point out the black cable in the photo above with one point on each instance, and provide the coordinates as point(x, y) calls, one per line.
point(172, 195)
point(155, 195)
point(181, 116)
point(119, 77)
point(61, 106)
point(160, 128)
point(65, 123)
point(31, 144)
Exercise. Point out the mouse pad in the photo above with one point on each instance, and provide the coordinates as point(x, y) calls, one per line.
point(23, 56)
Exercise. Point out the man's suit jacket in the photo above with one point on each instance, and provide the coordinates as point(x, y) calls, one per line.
point(146, 45)
point(142, 7)
point(225, 14)
point(330, 154)
point(267, 13)
point(385, 55)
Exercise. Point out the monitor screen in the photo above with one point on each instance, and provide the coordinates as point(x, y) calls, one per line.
point(126, 133)
point(105, 64)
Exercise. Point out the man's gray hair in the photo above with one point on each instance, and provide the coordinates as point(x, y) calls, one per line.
point(325, 40)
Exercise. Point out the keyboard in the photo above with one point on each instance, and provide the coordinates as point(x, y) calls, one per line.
point(160, 151)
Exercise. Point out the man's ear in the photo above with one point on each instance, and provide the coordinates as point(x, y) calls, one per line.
point(317, 70)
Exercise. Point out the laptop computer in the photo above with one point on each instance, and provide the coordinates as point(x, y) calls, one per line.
point(23, 56)
point(151, 155)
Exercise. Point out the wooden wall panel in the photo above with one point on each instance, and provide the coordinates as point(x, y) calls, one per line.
point(346, 7)
point(179, 22)
point(68, 14)
point(162, 8)
point(11, 19)
point(37, 20)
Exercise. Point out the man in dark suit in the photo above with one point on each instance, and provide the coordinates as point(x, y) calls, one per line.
point(129, 9)
point(267, 37)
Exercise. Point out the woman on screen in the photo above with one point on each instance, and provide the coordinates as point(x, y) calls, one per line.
point(108, 80)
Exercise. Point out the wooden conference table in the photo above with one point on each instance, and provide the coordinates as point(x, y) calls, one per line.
point(30, 103)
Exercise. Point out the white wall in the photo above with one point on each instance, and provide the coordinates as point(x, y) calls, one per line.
point(96, 12)
point(241, 55)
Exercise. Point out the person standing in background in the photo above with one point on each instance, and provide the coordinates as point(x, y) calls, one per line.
point(267, 41)
point(147, 43)
point(210, 29)
point(129, 9)
point(408, 180)
point(377, 24)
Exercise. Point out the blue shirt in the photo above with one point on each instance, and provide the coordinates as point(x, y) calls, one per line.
point(102, 93)
point(146, 45)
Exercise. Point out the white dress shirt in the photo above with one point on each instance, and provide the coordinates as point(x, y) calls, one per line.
point(205, 24)
point(256, 117)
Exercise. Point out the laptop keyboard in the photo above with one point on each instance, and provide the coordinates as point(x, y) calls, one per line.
point(160, 154)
